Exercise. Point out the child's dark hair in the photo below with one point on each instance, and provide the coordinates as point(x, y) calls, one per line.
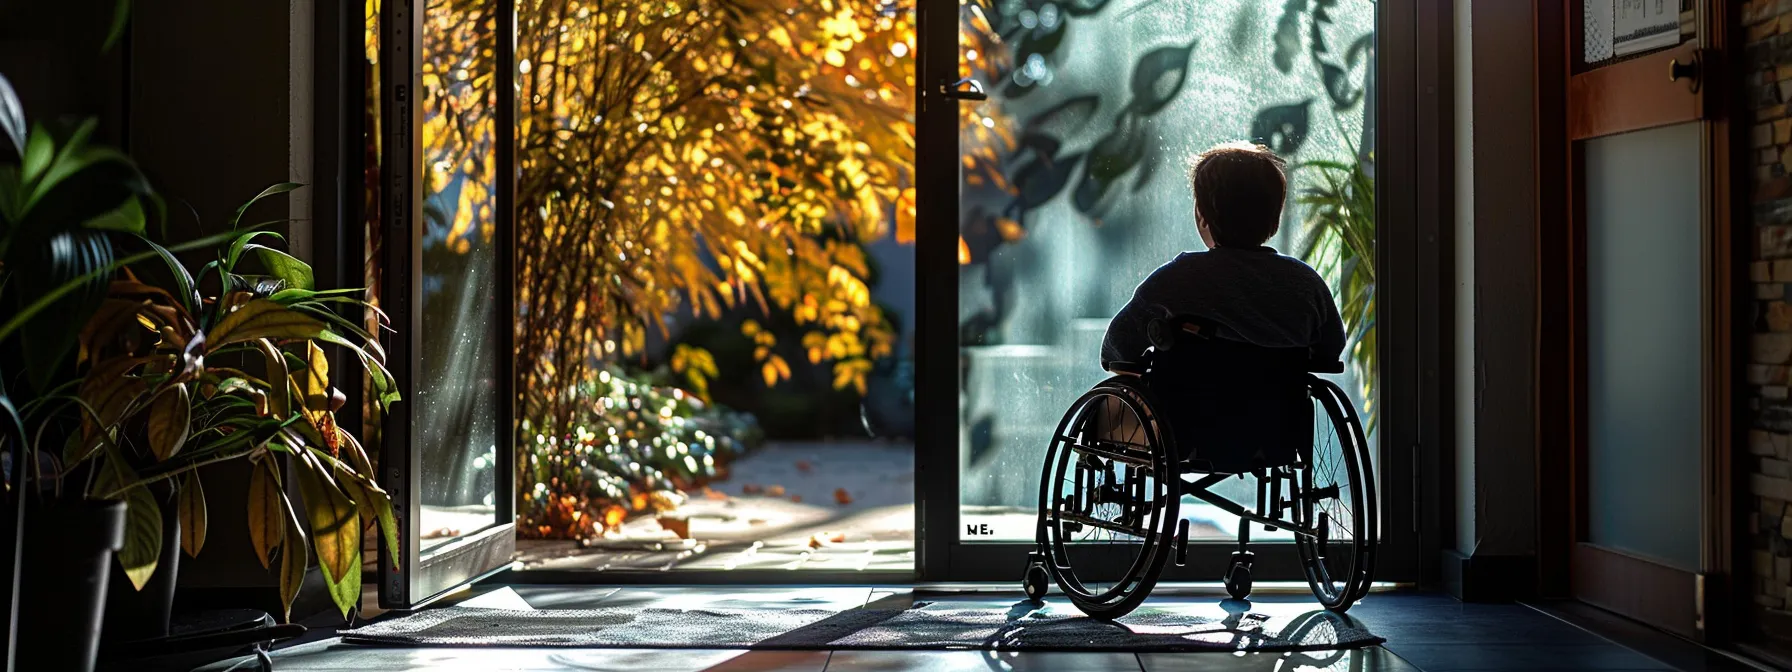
point(1239, 189)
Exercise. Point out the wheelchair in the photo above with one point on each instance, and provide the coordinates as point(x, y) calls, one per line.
point(1195, 411)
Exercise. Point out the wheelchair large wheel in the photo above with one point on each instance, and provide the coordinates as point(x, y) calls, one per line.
point(1108, 500)
point(1334, 494)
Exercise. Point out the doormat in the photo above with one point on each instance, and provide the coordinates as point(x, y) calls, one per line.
point(924, 626)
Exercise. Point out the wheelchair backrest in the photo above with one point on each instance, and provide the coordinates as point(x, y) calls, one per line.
point(1232, 406)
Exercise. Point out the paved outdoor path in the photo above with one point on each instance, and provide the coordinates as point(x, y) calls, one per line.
point(836, 506)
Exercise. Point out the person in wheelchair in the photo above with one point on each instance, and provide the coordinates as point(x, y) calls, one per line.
point(1214, 357)
point(1245, 289)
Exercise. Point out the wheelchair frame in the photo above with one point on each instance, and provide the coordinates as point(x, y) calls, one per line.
point(1272, 502)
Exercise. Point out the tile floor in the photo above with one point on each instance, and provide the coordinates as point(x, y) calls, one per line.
point(1428, 632)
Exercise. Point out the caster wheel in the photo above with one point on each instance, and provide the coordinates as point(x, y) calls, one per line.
point(1238, 576)
point(1036, 583)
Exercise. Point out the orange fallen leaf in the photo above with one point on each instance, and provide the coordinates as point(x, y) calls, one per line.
point(775, 491)
point(804, 466)
point(838, 538)
point(796, 498)
point(751, 489)
point(678, 526)
point(756, 521)
point(815, 542)
point(841, 496)
point(714, 494)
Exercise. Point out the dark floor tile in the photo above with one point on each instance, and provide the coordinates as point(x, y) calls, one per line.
point(1373, 659)
point(337, 657)
point(980, 661)
point(1529, 657)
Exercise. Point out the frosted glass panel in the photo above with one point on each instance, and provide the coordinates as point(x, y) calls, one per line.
point(1643, 344)
point(1075, 188)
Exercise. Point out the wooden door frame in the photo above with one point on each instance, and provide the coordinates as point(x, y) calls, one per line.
point(1574, 104)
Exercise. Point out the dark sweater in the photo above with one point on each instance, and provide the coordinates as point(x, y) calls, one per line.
point(1254, 295)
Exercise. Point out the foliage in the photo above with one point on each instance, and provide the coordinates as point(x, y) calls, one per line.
point(155, 395)
point(63, 198)
point(163, 394)
point(1338, 239)
point(630, 448)
point(700, 156)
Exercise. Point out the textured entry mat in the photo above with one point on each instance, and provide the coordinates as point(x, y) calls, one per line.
point(925, 626)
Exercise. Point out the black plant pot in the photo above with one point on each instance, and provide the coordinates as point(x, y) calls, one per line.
point(68, 551)
point(134, 615)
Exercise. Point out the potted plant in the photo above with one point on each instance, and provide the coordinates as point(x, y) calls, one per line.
point(137, 373)
point(230, 365)
point(63, 200)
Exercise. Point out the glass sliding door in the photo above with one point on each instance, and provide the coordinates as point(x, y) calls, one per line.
point(445, 200)
point(1072, 184)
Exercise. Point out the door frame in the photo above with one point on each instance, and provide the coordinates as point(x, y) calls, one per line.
point(1407, 319)
point(1577, 103)
point(408, 576)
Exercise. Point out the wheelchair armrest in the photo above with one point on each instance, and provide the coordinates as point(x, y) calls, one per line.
point(1317, 366)
point(1125, 368)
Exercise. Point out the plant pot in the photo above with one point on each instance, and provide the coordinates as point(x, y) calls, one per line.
point(134, 615)
point(68, 553)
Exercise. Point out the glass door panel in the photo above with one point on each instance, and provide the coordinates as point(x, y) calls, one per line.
point(1074, 187)
point(459, 384)
point(1644, 476)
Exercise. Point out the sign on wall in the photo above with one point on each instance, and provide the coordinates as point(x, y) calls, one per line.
point(1612, 28)
point(1642, 25)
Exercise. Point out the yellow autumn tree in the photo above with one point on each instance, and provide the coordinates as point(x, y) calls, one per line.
point(701, 155)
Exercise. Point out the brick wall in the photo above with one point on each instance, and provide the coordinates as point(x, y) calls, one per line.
point(1767, 77)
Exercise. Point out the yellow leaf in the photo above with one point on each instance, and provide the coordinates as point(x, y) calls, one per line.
point(314, 395)
point(261, 318)
point(169, 417)
point(964, 252)
point(193, 518)
point(266, 529)
point(770, 373)
point(279, 394)
point(905, 216)
point(142, 537)
point(292, 558)
point(335, 531)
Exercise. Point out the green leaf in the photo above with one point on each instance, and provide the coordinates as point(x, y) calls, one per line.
point(142, 537)
point(12, 117)
point(284, 266)
point(39, 149)
point(193, 518)
point(121, 15)
point(292, 295)
point(24, 316)
point(128, 218)
point(261, 318)
point(281, 188)
point(39, 271)
point(384, 387)
point(183, 281)
point(237, 246)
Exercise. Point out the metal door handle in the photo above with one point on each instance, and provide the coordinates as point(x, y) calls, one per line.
point(1689, 71)
point(953, 91)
